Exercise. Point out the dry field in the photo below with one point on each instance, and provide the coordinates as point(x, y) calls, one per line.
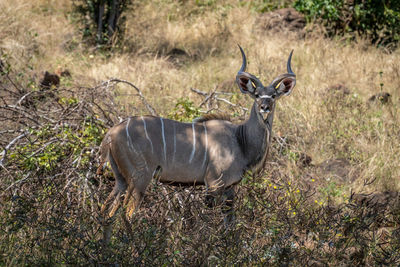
point(329, 193)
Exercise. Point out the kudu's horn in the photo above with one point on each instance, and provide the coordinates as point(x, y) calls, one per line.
point(289, 73)
point(243, 68)
point(289, 67)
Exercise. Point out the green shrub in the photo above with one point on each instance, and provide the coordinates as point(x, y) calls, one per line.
point(184, 111)
point(378, 21)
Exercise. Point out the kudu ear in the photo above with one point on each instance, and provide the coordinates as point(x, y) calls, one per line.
point(246, 85)
point(285, 86)
point(284, 83)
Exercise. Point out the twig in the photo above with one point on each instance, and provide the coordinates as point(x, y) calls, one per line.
point(213, 95)
point(208, 97)
point(23, 97)
point(13, 83)
point(366, 182)
point(43, 147)
point(4, 152)
point(10, 131)
point(21, 111)
point(148, 106)
point(198, 91)
point(204, 93)
point(19, 181)
point(230, 103)
point(282, 143)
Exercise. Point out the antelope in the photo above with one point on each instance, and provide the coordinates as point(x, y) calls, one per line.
point(210, 151)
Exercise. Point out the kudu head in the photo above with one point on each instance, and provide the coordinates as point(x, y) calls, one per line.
point(265, 96)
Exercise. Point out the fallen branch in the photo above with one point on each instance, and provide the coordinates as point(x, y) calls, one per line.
point(19, 181)
point(213, 95)
point(208, 98)
point(8, 147)
point(198, 91)
point(142, 98)
point(23, 97)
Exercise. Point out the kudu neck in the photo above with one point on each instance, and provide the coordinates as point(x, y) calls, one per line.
point(254, 136)
point(255, 124)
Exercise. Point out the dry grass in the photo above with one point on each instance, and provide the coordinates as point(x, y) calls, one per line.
point(179, 44)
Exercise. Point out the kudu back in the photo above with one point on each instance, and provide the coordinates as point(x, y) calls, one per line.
point(213, 152)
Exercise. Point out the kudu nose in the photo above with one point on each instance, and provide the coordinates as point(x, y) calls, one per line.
point(265, 107)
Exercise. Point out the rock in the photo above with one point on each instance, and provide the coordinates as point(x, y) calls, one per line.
point(286, 19)
point(178, 56)
point(337, 168)
point(48, 80)
point(177, 52)
point(304, 160)
point(382, 97)
point(378, 207)
point(378, 200)
point(63, 72)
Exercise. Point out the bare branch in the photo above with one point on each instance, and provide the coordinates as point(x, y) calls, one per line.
point(142, 98)
point(23, 97)
point(208, 97)
point(213, 95)
point(198, 91)
point(19, 181)
point(8, 147)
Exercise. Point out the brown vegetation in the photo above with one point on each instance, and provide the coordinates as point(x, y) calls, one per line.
point(329, 192)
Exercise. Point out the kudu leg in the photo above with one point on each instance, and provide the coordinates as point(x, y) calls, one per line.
point(223, 196)
point(108, 211)
point(227, 207)
point(214, 190)
point(112, 203)
point(132, 201)
point(135, 194)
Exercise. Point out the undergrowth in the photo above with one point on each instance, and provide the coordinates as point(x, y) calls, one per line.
point(328, 194)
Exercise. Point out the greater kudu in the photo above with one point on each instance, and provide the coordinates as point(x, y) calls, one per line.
point(208, 151)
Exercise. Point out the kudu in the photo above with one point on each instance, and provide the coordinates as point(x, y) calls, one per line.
point(208, 151)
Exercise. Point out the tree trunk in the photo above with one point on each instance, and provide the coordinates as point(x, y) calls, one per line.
point(112, 19)
point(100, 22)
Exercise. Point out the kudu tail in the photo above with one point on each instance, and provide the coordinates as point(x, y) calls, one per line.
point(104, 153)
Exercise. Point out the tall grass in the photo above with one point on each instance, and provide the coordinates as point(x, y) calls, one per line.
point(173, 46)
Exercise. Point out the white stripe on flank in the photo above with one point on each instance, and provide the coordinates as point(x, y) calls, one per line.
point(206, 145)
point(129, 141)
point(173, 156)
point(194, 144)
point(147, 136)
point(130, 144)
point(163, 139)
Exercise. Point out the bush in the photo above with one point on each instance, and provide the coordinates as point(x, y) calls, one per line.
point(184, 111)
point(50, 199)
point(379, 21)
point(102, 19)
